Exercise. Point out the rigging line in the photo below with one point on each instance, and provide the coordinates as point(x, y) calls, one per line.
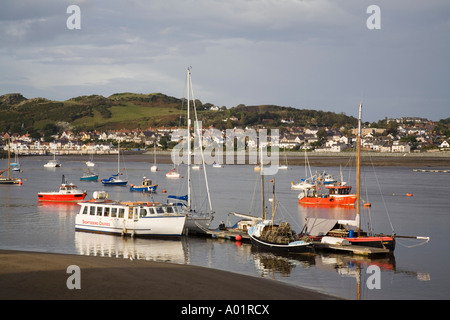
point(412, 246)
point(381, 194)
point(201, 148)
point(253, 196)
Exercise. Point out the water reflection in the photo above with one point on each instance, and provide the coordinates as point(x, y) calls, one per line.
point(103, 245)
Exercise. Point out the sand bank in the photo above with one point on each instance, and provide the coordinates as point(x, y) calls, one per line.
point(33, 275)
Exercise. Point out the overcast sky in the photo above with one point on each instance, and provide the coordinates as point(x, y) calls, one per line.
point(313, 54)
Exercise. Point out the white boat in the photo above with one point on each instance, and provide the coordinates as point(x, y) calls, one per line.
point(140, 219)
point(90, 163)
point(217, 165)
point(173, 174)
point(53, 163)
point(198, 219)
point(154, 167)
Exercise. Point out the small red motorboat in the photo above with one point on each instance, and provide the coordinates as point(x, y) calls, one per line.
point(68, 192)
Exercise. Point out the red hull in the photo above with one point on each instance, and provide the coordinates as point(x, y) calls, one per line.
point(332, 200)
point(386, 242)
point(73, 197)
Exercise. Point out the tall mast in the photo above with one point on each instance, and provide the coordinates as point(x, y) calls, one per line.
point(263, 211)
point(358, 170)
point(189, 139)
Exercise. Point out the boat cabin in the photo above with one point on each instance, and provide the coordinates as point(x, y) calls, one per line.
point(339, 189)
point(125, 210)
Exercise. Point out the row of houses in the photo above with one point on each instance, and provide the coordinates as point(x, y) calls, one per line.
point(319, 140)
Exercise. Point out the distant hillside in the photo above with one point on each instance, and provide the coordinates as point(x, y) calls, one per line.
point(132, 110)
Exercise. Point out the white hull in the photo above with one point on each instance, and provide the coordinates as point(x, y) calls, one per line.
point(132, 221)
point(197, 224)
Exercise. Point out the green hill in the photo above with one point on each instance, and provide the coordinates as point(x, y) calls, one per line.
point(132, 110)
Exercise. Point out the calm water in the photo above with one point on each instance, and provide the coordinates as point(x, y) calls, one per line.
point(414, 272)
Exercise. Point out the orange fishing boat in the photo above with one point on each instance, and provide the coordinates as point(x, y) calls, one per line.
point(337, 195)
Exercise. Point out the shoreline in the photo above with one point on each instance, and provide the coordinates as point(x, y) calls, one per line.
point(40, 275)
point(413, 160)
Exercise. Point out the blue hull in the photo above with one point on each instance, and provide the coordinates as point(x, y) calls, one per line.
point(144, 188)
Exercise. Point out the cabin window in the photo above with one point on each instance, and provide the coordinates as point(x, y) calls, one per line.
point(99, 211)
point(170, 210)
point(113, 212)
point(92, 211)
point(106, 212)
point(130, 214)
point(159, 210)
point(121, 212)
point(151, 210)
point(85, 210)
point(143, 212)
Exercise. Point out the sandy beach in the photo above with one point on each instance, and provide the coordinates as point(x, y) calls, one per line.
point(44, 276)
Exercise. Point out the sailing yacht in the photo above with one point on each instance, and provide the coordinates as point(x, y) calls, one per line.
point(197, 222)
point(115, 179)
point(53, 163)
point(9, 179)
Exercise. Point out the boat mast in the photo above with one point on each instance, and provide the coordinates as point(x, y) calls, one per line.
point(188, 139)
point(358, 171)
point(9, 157)
point(261, 172)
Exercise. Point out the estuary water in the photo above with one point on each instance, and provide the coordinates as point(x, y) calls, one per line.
point(417, 270)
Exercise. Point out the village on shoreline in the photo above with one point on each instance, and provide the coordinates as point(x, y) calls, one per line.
point(413, 135)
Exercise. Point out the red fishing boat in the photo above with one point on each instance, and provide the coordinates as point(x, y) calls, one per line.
point(68, 192)
point(337, 196)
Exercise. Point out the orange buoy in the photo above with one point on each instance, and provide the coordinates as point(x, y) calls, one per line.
point(164, 191)
point(409, 194)
point(238, 237)
point(367, 204)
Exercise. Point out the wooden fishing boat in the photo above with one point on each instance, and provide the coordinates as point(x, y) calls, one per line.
point(267, 235)
point(68, 192)
point(348, 232)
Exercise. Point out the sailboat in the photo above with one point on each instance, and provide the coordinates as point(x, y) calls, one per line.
point(197, 222)
point(53, 163)
point(349, 232)
point(90, 162)
point(285, 165)
point(115, 179)
point(154, 167)
point(9, 179)
point(15, 166)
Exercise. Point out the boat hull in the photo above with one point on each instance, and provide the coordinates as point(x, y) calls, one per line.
point(144, 188)
point(89, 178)
point(383, 242)
point(163, 227)
point(293, 247)
point(10, 181)
point(332, 200)
point(108, 182)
